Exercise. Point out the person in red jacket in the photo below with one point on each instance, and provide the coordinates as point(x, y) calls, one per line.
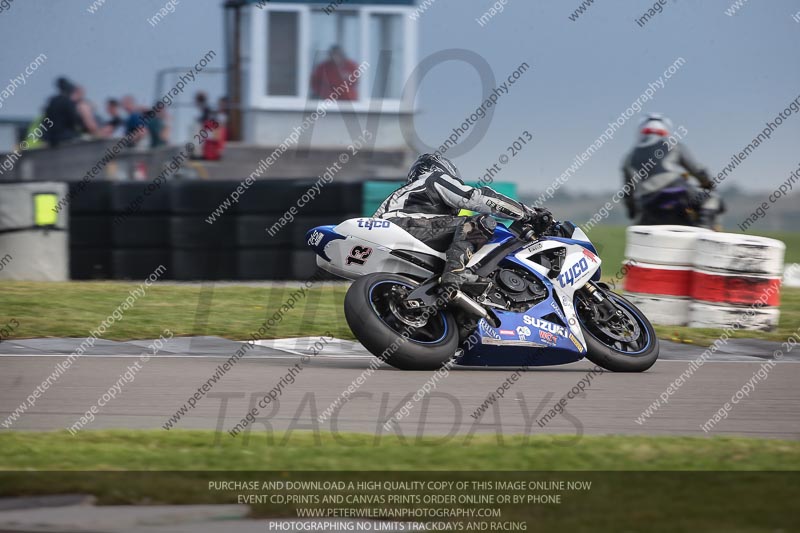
point(330, 78)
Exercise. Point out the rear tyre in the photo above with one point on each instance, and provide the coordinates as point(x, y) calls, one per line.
point(625, 344)
point(374, 314)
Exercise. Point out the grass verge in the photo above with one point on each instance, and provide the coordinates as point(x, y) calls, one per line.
point(234, 312)
point(635, 483)
point(198, 450)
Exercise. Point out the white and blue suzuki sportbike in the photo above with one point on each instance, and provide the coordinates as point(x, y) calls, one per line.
point(537, 301)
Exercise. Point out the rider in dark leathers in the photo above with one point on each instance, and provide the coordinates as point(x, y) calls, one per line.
point(428, 205)
point(656, 164)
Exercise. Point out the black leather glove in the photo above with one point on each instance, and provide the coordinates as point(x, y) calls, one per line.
point(539, 218)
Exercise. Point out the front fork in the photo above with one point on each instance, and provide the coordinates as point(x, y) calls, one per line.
point(606, 309)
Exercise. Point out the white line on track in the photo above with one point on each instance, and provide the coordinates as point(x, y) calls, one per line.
point(178, 356)
point(328, 356)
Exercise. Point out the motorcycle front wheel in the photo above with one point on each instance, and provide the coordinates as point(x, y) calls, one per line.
point(420, 339)
point(626, 342)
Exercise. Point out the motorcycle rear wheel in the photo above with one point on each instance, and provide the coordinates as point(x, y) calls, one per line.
point(406, 340)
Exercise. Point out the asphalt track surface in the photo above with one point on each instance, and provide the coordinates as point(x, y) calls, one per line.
point(610, 403)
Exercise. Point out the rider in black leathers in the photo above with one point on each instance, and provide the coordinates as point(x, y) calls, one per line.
point(428, 208)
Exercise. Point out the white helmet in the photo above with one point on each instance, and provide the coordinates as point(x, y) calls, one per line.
point(656, 124)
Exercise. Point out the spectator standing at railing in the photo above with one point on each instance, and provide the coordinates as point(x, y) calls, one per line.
point(115, 125)
point(61, 109)
point(158, 126)
point(135, 128)
point(89, 123)
point(206, 113)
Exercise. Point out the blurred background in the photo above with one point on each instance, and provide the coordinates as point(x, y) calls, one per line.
point(166, 107)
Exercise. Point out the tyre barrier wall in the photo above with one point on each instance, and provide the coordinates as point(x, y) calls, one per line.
point(124, 230)
point(692, 276)
point(736, 279)
point(659, 271)
point(33, 237)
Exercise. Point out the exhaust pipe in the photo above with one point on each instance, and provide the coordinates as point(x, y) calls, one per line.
point(468, 304)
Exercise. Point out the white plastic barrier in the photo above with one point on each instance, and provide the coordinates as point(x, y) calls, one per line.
point(666, 311)
point(659, 261)
point(736, 281)
point(703, 315)
point(662, 245)
point(683, 275)
point(733, 252)
point(791, 275)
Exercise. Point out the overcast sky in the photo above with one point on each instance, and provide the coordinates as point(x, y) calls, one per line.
point(740, 72)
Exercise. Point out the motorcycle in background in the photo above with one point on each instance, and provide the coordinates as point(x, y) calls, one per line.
point(676, 206)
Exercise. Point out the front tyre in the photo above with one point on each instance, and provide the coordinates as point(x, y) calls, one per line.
point(408, 340)
point(625, 343)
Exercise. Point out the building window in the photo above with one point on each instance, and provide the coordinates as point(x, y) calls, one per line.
point(387, 53)
point(335, 53)
point(283, 47)
point(310, 55)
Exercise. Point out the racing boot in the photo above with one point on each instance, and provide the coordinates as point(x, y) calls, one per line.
point(467, 239)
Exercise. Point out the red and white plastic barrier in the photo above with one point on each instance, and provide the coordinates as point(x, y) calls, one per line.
point(681, 275)
point(662, 245)
point(659, 271)
point(703, 315)
point(668, 280)
point(736, 282)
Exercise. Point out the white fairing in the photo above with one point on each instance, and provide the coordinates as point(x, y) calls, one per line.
point(363, 252)
point(579, 266)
